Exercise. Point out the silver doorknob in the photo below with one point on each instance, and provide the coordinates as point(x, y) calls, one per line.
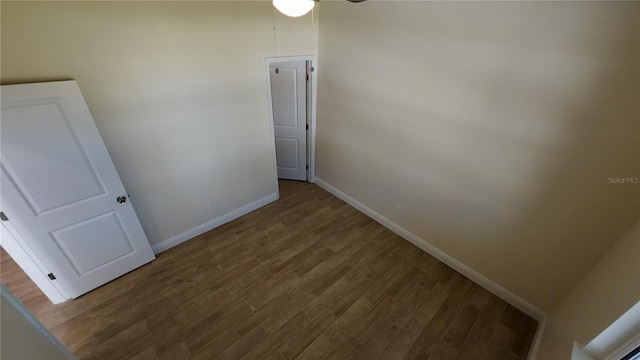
point(121, 199)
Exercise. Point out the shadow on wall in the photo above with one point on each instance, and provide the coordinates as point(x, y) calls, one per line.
point(17, 81)
point(488, 129)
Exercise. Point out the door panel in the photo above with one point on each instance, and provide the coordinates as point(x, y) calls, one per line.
point(38, 149)
point(284, 92)
point(287, 153)
point(94, 242)
point(289, 103)
point(59, 188)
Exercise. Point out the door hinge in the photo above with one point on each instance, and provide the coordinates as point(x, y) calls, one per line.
point(3, 217)
point(51, 276)
point(307, 77)
point(307, 167)
point(307, 126)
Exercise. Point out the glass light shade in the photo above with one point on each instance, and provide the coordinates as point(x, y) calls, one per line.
point(294, 8)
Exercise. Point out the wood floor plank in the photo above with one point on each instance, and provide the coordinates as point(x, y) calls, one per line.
point(307, 335)
point(257, 316)
point(377, 342)
point(270, 345)
point(479, 297)
point(495, 307)
point(320, 285)
point(312, 261)
point(437, 326)
point(176, 352)
point(370, 322)
point(404, 286)
point(197, 340)
point(442, 351)
point(147, 354)
point(459, 294)
point(296, 259)
point(345, 350)
point(337, 331)
point(263, 290)
point(305, 277)
point(416, 353)
point(524, 338)
point(214, 347)
point(119, 346)
point(390, 279)
point(276, 356)
point(408, 304)
point(499, 343)
point(242, 346)
point(512, 318)
point(460, 327)
point(341, 305)
point(478, 338)
point(402, 343)
point(385, 263)
point(299, 301)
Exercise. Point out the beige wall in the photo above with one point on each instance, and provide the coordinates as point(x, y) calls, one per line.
point(24, 338)
point(177, 89)
point(601, 297)
point(492, 125)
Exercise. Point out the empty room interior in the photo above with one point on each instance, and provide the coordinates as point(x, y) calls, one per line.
point(292, 179)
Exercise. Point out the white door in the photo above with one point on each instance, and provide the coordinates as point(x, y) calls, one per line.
point(61, 191)
point(289, 103)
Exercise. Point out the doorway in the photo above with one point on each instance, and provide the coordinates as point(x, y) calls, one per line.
point(291, 92)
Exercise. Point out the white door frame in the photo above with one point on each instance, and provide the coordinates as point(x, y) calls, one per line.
point(311, 109)
point(27, 260)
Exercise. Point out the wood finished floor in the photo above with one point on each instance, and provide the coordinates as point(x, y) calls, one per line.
point(307, 277)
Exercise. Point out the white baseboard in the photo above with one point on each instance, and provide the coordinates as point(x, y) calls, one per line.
point(479, 279)
point(210, 225)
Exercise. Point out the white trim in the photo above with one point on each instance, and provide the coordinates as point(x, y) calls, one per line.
point(271, 128)
point(210, 225)
point(625, 349)
point(312, 125)
point(578, 354)
point(476, 277)
point(314, 101)
point(27, 260)
point(34, 322)
point(620, 334)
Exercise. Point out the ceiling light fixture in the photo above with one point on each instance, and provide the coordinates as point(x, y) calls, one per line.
point(294, 8)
